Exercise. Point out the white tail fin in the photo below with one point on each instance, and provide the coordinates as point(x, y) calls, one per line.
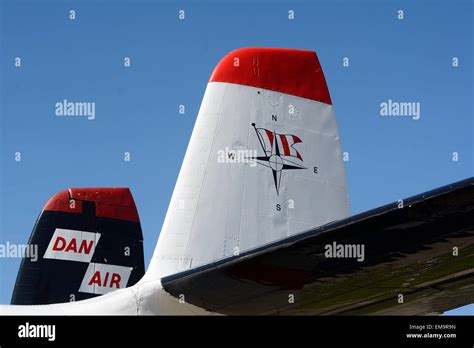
point(263, 163)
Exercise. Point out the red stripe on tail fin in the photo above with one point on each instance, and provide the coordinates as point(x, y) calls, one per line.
point(284, 142)
point(285, 70)
point(270, 136)
point(115, 203)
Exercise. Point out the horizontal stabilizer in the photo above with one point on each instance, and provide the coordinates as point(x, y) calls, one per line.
point(417, 258)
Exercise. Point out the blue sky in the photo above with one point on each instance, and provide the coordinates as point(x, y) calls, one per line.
point(171, 61)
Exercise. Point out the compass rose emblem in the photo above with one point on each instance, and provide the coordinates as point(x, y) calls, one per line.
point(279, 153)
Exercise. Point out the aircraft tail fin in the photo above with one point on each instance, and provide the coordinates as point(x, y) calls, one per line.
point(86, 242)
point(263, 163)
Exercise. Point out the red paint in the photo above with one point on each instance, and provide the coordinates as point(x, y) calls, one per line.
point(97, 280)
point(115, 203)
point(61, 202)
point(296, 139)
point(284, 142)
point(115, 280)
point(72, 246)
point(270, 136)
point(285, 70)
point(106, 278)
point(86, 248)
point(56, 246)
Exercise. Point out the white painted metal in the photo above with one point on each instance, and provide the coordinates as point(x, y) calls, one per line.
point(144, 298)
point(220, 209)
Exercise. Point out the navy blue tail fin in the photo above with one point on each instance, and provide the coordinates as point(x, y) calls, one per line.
point(89, 242)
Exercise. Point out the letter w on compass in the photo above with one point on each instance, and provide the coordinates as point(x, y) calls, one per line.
point(279, 153)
